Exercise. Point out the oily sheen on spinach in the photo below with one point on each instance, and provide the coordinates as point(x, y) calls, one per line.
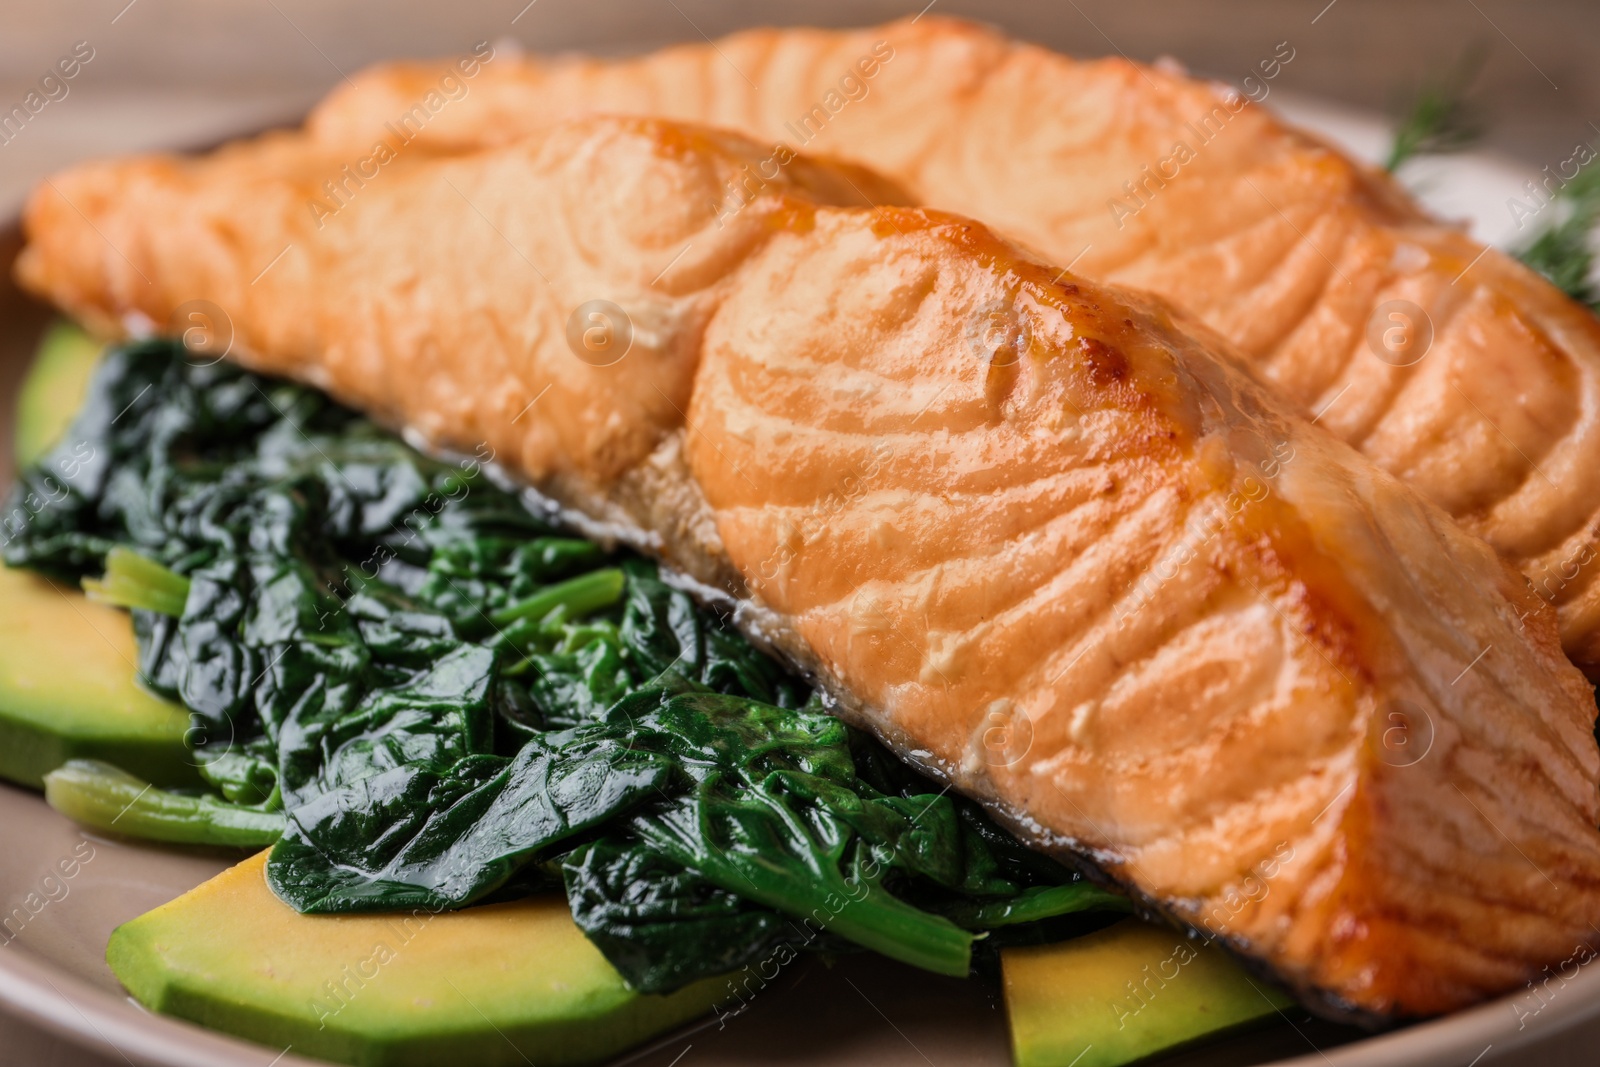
point(449, 701)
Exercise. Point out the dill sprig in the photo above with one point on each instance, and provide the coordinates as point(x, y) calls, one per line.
point(1564, 252)
point(1440, 117)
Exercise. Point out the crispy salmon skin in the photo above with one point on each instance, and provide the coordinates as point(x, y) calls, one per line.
point(1039, 534)
point(1450, 365)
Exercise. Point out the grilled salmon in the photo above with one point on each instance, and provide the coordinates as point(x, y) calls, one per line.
point(1452, 366)
point(1039, 534)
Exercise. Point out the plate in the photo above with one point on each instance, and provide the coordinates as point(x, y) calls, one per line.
point(863, 1010)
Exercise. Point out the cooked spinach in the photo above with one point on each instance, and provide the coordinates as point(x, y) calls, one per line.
point(663, 926)
point(444, 700)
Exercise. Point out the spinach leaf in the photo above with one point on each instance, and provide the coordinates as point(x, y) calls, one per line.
point(417, 837)
point(783, 839)
point(777, 815)
point(663, 926)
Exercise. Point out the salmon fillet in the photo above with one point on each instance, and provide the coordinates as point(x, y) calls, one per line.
point(1453, 367)
point(1037, 533)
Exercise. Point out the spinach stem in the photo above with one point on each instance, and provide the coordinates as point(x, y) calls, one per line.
point(886, 924)
point(99, 795)
point(1039, 902)
point(135, 581)
point(876, 919)
point(854, 908)
point(580, 596)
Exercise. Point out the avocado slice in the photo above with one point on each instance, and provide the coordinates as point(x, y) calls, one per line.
point(1126, 993)
point(68, 689)
point(502, 984)
point(54, 389)
point(68, 686)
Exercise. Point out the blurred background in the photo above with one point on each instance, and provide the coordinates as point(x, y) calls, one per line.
point(178, 72)
point(1517, 83)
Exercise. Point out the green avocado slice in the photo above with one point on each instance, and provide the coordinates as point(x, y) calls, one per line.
point(54, 389)
point(1126, 993)
point(68, 689)
point(500, 985)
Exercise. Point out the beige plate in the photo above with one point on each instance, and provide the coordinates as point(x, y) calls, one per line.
point(861, 1011)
